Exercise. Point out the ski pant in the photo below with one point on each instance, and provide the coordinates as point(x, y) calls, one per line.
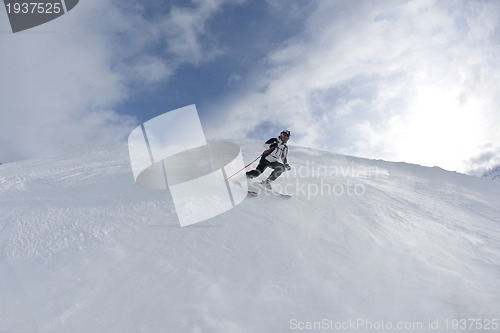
point(278, 167)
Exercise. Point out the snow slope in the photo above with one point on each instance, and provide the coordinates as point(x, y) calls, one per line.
point(83, 249)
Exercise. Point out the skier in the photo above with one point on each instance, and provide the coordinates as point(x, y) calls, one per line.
point(273, 157)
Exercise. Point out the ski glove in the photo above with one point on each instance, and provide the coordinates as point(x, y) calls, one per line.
point(288, 167)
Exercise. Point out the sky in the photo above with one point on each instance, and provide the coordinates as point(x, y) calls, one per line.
point(412, 81)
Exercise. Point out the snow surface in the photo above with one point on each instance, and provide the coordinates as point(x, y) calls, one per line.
point(83, 249)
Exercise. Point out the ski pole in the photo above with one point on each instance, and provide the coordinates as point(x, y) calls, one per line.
point(246, 166)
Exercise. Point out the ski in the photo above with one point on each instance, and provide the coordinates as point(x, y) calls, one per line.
point(250, 193)
point(271, 190)
point(284, 195)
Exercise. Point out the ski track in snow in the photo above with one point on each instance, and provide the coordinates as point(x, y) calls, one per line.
point(83, 249)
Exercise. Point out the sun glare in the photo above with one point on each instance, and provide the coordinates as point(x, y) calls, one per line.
point(440, 131)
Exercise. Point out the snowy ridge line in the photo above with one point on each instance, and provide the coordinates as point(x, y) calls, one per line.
point(493, 174)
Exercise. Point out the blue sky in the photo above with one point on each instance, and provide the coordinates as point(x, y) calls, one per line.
point(413, 81)
point(241, 34)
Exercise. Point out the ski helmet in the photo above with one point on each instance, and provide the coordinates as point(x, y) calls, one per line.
point(286, 132)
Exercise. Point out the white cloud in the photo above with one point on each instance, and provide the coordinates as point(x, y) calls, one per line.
point(185, 29)
point(399, 80)
point(62, 82)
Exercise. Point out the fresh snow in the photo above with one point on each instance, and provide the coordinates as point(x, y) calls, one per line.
point(83, 249)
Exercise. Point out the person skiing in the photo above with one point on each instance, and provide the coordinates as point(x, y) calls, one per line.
point(274, 157)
